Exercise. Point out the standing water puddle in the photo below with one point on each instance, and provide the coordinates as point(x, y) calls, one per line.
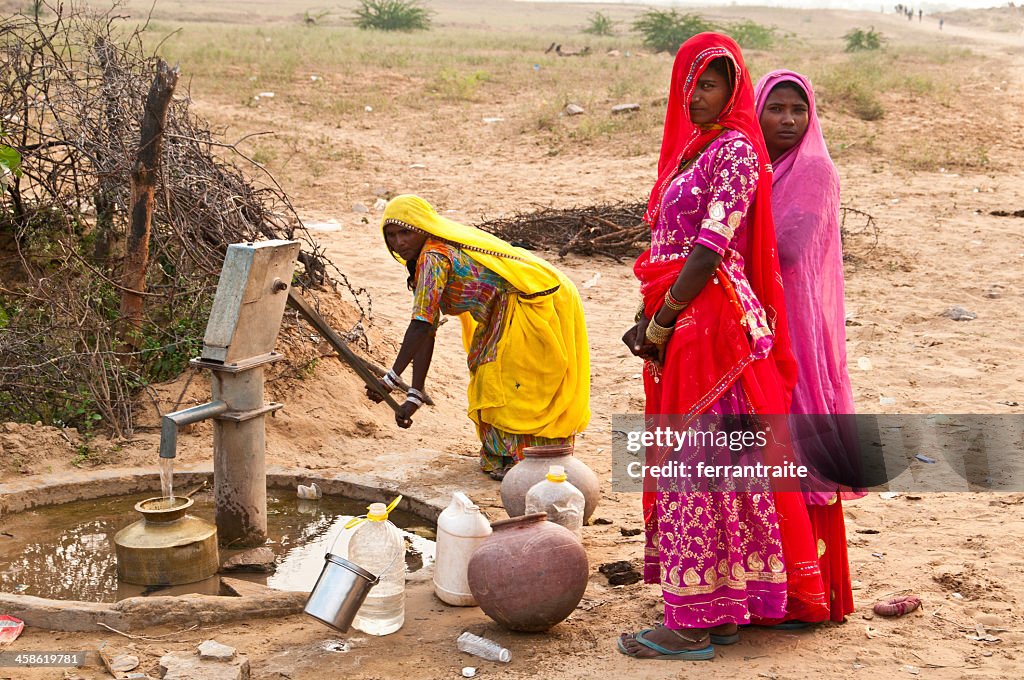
point(67, 551)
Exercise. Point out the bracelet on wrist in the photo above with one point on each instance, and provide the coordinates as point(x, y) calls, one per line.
point(391, 379)
point(639, 313)
point(657, 333)
point(672, 303)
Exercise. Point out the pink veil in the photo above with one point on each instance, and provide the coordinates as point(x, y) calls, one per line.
point(805, 205)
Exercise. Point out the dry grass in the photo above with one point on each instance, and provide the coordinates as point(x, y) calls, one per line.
point(489, 60)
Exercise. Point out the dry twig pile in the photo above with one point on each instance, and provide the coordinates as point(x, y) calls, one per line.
point(613, 229)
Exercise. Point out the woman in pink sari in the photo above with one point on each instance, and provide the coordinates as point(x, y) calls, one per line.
point(713, 331)
point(805, 206)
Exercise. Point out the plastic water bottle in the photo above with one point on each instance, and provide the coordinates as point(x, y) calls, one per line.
point(377, 546)
point(482, 647)
point(562, 501)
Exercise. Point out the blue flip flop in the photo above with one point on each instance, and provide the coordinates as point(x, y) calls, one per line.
point(705, 654)
point(715, 638)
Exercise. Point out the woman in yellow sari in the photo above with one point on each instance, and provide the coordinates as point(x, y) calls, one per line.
point(522, 328)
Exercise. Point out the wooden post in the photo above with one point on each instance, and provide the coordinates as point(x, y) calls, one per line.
point(144, 176)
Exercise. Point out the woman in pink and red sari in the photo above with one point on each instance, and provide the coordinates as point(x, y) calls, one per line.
point(805, 206)
point(713, 332)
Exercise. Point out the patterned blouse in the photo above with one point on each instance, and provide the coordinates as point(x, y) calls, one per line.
point(450, 282)
point(706, 204)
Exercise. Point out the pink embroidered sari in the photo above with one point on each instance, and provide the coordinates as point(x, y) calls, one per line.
point(805, 205)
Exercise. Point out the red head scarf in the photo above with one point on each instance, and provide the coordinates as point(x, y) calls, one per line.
point(683, 139)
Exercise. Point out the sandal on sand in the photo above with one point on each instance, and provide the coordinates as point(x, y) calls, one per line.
point(785, 625)
point(725, 639)
point(704, 654)
point(498, 474)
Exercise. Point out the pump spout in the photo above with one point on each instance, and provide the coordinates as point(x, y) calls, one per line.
point(172, 421)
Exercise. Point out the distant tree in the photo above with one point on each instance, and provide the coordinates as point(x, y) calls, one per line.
point(392, 15)
point(859, 40)
point(599, 24)
point(666, 30)
point(751, 35)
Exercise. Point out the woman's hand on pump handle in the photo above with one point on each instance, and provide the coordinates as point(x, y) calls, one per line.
point(375, 396)
point(403, 416)
point(387, 384)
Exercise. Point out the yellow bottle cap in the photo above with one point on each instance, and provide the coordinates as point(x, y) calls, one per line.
point(376, 512)
point(556, 473)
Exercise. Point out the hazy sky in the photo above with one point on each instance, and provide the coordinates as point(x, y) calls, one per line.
point(869, 5)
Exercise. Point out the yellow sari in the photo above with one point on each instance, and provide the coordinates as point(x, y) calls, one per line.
point(539, 382)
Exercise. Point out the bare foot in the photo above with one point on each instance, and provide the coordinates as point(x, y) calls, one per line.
point(673, 640)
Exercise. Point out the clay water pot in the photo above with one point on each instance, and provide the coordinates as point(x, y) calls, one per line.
point(529, 574)
point(534, 467)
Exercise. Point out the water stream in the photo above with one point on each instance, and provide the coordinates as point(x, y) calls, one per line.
point(167, 480)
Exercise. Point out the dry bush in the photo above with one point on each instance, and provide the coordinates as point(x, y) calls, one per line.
point(72, 90)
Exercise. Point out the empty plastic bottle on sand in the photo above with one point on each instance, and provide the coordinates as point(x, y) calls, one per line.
point(562, 501)
point(377, 546)
point(482, 647)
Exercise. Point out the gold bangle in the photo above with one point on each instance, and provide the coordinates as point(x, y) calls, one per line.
point(639, 313)
point(672, 303)
point(657, 333)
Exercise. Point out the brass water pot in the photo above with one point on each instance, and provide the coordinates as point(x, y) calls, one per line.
point(167, 547)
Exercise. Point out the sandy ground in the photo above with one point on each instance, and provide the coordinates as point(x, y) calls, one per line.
point(937, 247)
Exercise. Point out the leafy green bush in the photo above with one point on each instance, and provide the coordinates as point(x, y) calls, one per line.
point(751, 35)
point(666, 30)
point(859, 40)
point(10, 165)
point(392, 15)
point(599, 24)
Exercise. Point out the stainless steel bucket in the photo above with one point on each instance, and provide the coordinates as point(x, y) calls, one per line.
point(339, 592)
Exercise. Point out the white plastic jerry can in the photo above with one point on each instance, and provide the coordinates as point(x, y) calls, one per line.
point(460, 530)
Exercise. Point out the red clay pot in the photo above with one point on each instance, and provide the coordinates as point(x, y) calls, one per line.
point(529, 574)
